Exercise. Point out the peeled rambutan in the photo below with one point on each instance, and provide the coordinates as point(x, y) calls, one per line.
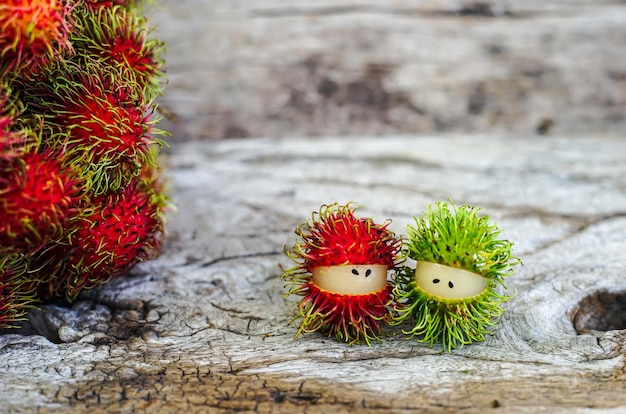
point(33, 30)
point(341, 272)
point(118, 38)
point(116, 231)
point(453, 295)
point(36, 196)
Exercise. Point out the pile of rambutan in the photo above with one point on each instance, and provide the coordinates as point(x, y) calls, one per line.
point(81, 199)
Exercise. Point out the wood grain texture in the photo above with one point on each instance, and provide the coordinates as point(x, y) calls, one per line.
point(204, 328)
point(300, 68)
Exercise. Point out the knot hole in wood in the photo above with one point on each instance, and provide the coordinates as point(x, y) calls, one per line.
point(601, 311)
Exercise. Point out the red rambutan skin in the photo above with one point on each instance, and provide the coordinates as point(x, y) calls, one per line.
point(336, 236)
point(106, 121)
point(333, 237)
point(102, 120)
point(353, 319)
point(33, 29)
point(120, 230)
point(36, 198)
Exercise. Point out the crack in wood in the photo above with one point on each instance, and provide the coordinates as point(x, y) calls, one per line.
point(240, 256)
point(471, 9)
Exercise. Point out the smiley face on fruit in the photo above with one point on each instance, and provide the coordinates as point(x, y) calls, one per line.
point(452, 292)
point(351, 279)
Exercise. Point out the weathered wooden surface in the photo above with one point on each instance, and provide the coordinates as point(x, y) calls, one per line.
point(301, 68)
point(204, 327)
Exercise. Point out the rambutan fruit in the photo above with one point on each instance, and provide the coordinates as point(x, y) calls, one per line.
point(36, 196)
point(118, 37)
point(79, 200)
point(341, 272)
point(33, 30)
point(114, 232)
point(460, 262)
point(102, 120)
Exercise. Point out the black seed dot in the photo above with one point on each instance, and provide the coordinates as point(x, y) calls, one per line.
point(368, 272)
point(450, 284)
point(355, 272)
point(436, 280)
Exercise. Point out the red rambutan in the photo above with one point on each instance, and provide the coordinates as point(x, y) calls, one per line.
point(33, 29)
point(341, 272)
point(103, 121)
point(118, 38)
point(36, 195)
point(350, 318)
point(116, 231)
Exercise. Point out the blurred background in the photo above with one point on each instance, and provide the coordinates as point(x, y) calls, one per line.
point(270, 68)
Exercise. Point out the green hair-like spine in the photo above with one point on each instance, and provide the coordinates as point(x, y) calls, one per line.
point(456, 237)
point(101, 119)
point(118, 37)
point(17, 289)
point(459, 237)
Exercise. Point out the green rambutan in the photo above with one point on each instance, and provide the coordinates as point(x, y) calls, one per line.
point(341, 272)
point(460, 263)
point(33, 30)
point(113, 232)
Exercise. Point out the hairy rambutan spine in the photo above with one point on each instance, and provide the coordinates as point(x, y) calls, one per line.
point(17, 293)
point(113, 232)
point(119, 37)
point(107, 4)
point(461, 239)
point(102, 120)
point(12, 140)
point(335, 237)
point(353, 319)
point(37, 194)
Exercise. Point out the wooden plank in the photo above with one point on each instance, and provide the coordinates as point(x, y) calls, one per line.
point(296, 68)
point(204, 328)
